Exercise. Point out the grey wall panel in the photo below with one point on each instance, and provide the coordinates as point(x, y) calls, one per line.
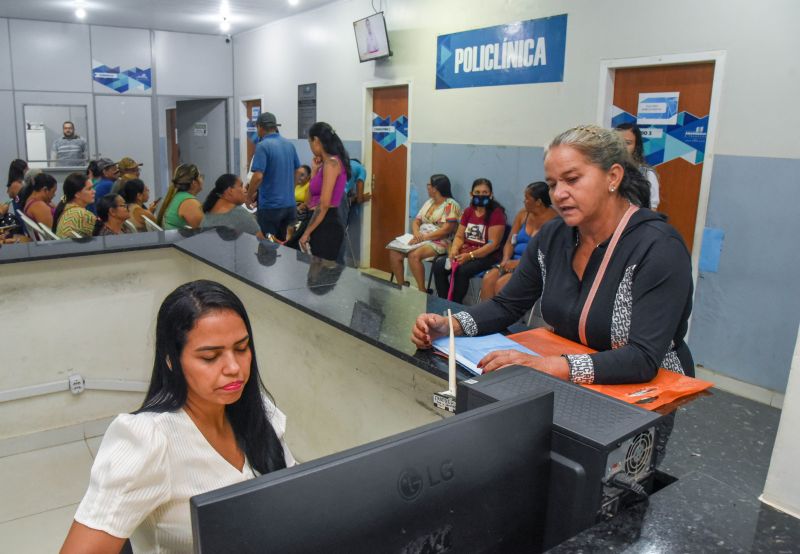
point(50, 56)
point(8, 142)
point(124, 128)
point(5, 56)
point(123, 48)
point(202, 138)
point(193, 65)
point(746, 315)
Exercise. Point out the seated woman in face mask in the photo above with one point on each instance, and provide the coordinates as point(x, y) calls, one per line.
point(476, 246)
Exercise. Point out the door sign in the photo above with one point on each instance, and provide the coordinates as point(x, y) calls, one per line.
point(657, 108)
point(389, 134)
point(685, 139)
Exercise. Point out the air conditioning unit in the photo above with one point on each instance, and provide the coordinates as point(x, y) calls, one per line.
point(603, 449)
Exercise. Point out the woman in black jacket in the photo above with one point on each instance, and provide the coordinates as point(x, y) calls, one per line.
point(631, 305)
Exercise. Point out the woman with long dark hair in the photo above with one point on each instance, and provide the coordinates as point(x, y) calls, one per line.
point(37, 198)
point(536, 212)
point(206, 422)
point(323, 231)
point(433, 229)
point(71, 214)
point(223, 207)
point(112, 213)
point(632, 137)
point(476, 246)
point(136, 193)
point(181, 208)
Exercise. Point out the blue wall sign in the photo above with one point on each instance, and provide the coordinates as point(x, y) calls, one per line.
point(517, 53)
point(134, 79)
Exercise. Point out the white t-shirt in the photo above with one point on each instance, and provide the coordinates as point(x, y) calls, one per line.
point(652, 178)
point(147, 468)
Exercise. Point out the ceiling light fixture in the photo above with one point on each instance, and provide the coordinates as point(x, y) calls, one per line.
point(294, 2)
point(80, 13)
point(225, 26)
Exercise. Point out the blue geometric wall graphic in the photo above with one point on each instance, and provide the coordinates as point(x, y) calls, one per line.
point(686, 139)
point(389, 134)
point(119, 81)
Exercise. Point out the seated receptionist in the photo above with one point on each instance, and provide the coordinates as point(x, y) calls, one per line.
point(632, 306)
point(205, 423)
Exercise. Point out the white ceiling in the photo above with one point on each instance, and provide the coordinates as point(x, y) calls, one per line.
point(189, 16)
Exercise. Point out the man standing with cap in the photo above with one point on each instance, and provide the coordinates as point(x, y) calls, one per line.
point(128, 169)
point(272, 183)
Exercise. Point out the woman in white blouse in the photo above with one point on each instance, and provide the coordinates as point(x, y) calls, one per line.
point(205, 423)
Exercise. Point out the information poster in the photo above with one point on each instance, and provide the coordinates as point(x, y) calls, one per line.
point(657, 108)
point(306, 108)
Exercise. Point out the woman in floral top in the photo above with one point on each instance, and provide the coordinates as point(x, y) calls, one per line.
point(433, 229)
point(71, 213)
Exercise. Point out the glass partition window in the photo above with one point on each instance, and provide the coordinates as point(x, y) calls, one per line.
point(56, 135)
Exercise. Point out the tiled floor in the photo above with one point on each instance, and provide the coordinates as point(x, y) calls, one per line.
point(36, 518)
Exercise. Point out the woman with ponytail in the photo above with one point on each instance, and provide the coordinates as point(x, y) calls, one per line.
point(323, 231)
point(181, 208)
point(610, 274)
point(71, 215)
point(223, 207)
point(206, 422)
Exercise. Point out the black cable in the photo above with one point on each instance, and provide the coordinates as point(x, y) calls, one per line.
point(623, 481)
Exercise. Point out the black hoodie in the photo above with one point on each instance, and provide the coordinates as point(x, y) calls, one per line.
point(638, 319)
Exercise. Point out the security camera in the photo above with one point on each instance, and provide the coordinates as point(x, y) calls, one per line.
point(227, 39)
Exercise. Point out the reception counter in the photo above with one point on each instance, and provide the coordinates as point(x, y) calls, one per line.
point(333, 348)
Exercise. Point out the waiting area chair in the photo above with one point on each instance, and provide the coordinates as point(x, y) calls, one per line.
point(150, 225)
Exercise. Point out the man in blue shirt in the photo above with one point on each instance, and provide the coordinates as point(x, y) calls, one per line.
point(108, 174)
point(273, 167)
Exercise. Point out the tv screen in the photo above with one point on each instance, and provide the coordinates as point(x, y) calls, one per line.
point(371, 38)
point(474, 482)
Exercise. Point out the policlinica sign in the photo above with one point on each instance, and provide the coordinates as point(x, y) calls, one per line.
point(517, 53)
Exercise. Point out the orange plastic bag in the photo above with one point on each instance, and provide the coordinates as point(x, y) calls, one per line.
point(666, 388)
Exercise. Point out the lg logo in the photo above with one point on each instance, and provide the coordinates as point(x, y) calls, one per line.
point(411, 482)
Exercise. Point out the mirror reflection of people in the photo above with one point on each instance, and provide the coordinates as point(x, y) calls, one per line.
point(206, 422)
point(70, 149)
point(180, 207)
point(632, 137)
point(637, 317)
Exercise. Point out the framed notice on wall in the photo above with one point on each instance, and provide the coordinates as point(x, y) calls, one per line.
point(306, 108)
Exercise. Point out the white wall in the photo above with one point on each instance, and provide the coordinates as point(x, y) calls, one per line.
point(193, 65)
point(782, 489)
point(760, 40)
point(120, 121)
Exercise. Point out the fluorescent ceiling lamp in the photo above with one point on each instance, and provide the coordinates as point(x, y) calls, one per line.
point(80, 13)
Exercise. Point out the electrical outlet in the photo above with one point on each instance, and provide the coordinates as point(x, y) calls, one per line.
point(76, 384)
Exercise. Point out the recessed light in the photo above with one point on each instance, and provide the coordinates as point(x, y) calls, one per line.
point(225, 26)
point(80, 13)
point(294, 2)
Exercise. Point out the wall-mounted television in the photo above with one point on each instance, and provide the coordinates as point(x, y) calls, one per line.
point(371, 38)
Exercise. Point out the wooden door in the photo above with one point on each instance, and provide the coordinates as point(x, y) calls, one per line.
point(679, 177)
point(389, 170)
point(253, 109)
point(172, 139)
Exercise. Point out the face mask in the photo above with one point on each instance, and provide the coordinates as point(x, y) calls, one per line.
point(480, 201)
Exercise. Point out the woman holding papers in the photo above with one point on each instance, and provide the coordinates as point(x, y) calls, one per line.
point(432, 228)
point(611, 273)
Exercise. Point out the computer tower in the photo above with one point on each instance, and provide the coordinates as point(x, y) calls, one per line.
point(593, 438)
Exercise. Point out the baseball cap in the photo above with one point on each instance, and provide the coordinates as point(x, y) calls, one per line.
point(127, 164)
point(267, 119)
point(105, 163)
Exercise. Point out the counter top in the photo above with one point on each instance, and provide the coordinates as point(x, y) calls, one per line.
point(367, 307)
point(719, 450)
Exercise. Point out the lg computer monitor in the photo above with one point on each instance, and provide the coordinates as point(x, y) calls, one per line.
point(372, 39)
point(474, 482)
